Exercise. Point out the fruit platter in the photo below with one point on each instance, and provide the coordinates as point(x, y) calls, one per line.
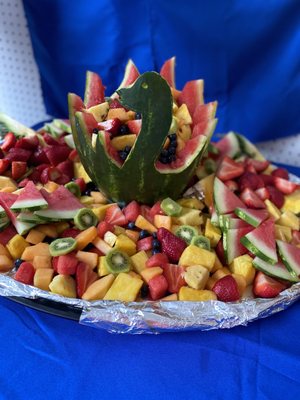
point(132, 217)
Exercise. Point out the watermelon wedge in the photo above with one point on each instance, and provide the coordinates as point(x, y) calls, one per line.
point(167, 71)
point(229, 222)
point(62, 204)
point(192, 95)
point(277, 270)
point(225, 200)
point(290, 255)
point(232, 243)
point(252, 217)
point(29, 199)
point(94, 90)
point(2, 212)
point(204, 112)
point(261, 242)
point(229, 145)
point(130, 76)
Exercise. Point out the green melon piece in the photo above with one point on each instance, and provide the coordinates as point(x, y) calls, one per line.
point(8, 124)
point(277, 270)
point(30, 199)
point(63, 124)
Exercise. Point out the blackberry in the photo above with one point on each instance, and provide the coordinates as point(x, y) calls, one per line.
point(138, 116)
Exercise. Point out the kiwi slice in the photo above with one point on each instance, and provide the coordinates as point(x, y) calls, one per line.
point(73, 188)
point(201, 241)
point(170, 207)
point(85, 218)
point(186, 232)
point(62, 246)
point(117, 261)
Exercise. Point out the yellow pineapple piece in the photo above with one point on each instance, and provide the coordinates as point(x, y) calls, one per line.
point(191, 203)
point(48, 230)
point(6, 182)
point(217, 264)
point(143, 223)
point(63, 285)
point(124, 243)
point(6, 263)
point(185, 132)
point(87, 200)
point(180, 144)
point(61, 226)
point(120, 113)
point(99, 197)
point(119, 142)
point(212, 232)
point(101, 210)
point(188, 216)
point(16, 246)
point(102, 268)
point(149, 273)
point(133, 235)
point(243, 266)
point(138, 261)
point(196, 276)
point(85, 237)
point(273, 210)
point(98, 289)
point(241, 282)
point(163, 221)
point(289, 219)
point(41, 262)
point(110, 238)
point(80, 172)
point(88, 258)
point(183, 115)
point(42, 278)
point(170, 297)
point(194, 255)
point(99, 111)
point(188, 294)
point(283, 233)
point(40, 249)
point(134, 274)
point(51, 186)
point(124, 288)
point(292, 202)
point(206, 185)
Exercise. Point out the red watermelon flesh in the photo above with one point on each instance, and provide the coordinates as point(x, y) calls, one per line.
point(192, 95)
point(7, 234)
point(130, 76)
point(94, 90)
point(225, 200)
point(135, 126)
point(203, 112)
point(29, 198)
point(167, 71)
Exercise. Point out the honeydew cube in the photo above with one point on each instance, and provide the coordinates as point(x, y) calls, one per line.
point(98, 289)
point(6, 263)
point(42, 262)
point(40, 249)
point(149, 273)
point(212, 232)
point(194, 255)
point(188, 216)
point(163, 221)
point(288, 218)
point(273, 210)
point(124, 288)
point(88, 258)
point(99, 111)
point(80, 172)
point(42, 278)
point(243, 266)
point(188, 294)
point(102, 268)
point(16, 246)
point(138, 261)
point(283, 233)
point(63, 285)
point(101, 245)
point(124, 243)
point(110, 238)
point(143, 223)
point(196, 276)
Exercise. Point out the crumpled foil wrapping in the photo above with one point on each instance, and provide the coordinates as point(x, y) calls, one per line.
point(150, 317)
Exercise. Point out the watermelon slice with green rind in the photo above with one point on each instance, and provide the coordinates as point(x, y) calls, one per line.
point(130, 76)
point(229, 145)
point(30, 217)
point(2, 212)
point(29, 199)
point(290, 255)
point(62, 205)
point(252, 217)
point(229, 222)
point(232, 245)
point(225, 200)
point(277, 270)
point(94, 90)
point(261, 242)
point(167, 71)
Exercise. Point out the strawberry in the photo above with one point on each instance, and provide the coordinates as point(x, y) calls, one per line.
point(25, 273)
point(70, 232)
point(232, 185)
point(158, 287)
point(83, 276)
point(172, 245)
point(295, 237)
point(262, 193)
point(62, 179)
point(39, 157)
point(267, 179)
point(57, 154)
point(18, 154)
point(104, 227)
point(114, 216)
point(250, 168)
point(249, 180)
point(7, 234)
point(259, 165)
point(157, 260)
point(8, 142)
point(4, 164)
point(144, 244)
point(251, 199)
point(50, 139)
point(281, 173)
point(73, 156)
point(174, 275)
point(276, 196)
point(226, 289)
point(66, 168)
point(132, 211)
point(54, 263)
point(92, 278)
point(67, 264)
point(285, 186)
point(220, 252)
point(229, 169)
point(18, 169)
point(28, 143)
point(111, 125)
point(267, 287)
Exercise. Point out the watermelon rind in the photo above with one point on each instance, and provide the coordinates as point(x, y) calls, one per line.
point(250, 216)
point(229, 145)
point(2, 212)
point(286, 251)
point(8, 124)
point(62, 124)
point(249, 148)
point(277, 270)
point(229, 222)
point(70, 141)
point(4, 224)
point(30, 217)
point(30, 205)
point(225, 201)
point(56, 215)
point(231, 245)
point(257, 246)
point(53, 130)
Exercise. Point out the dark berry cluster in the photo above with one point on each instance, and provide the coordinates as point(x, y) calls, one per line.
point(124, 153)
point(168, 155)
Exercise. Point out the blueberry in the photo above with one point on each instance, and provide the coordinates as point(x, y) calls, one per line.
point(143, 234)
point(138, 116)
point(127, 149)
point(123, 155)
point(171, 158)
point(123, 130)
point(144, 290)
point(172, 150)
point(163, 160)
point(121, 204)
point(131, 225)
point(95, 131)
point(87, 192)
point(172, 137)
point(156, 244)
point(18, 262)
point(156, 251)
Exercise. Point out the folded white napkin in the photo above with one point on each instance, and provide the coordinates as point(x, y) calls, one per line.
point(284, 150)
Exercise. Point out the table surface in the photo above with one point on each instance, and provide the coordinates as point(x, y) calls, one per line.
point(41, 353)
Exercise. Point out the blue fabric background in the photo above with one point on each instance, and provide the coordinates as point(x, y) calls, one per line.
point(247, 52)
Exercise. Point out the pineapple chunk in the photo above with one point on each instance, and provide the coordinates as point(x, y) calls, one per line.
point(124, 288)
point(139, 260)
point(42, 278)
point(124, 243)
point(110, 238)
point(119, 142)
point(143, 223)
point(292, 202)
point(99, 198)
point(88, 258)
point(273, 210)
point(99, 111)
point(243, 266)
point(101, 245)
point(184, 132)
point(288, 218)
point(120, 113)
point(98, 289)
point(86, 200)
point(206, 186)
point(283, 233)
point(80, 172)
point(170, 297)
point(196, 276)
point(217, 264)
point(182, 113)
point(189, 294)
point(63, 285)
point(102, 268)
point(188, 216)
point(212, 232)
point(194, 255)
point(149, 273)
point(4, 251)
point(16, 246)
point(241, 282)
point(101, 210)
point(6, 182)
point(220, 273)
point(191, 203)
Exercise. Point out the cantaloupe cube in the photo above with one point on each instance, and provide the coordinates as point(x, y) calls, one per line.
point(48, 230)
point(86, 237)
point(212, 232)
point(138, 261)
point(42, 278)
point(101, 245)
point(133, 235)
point(170, 297)
point(40, 249)
point(16, 246)
point(243, 266)
point(163, 221)
point(124, 243)
point(143, 223)
point(42, 262)
point(63, 285)
point(124, 288)
point(149, 273)
point(6, 263)
point(241, 282)
point(4, 251)
point(35, 236)
point(220, 273)
point(98, 289)
point(102, 268)
point(88, 258)
point(194, 255)
point(189, 294)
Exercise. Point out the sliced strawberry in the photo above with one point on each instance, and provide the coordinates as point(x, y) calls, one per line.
point(144, 244)
point(28, 143)
point(157, 260)
point(73, 156)
point(229, 169)
point(92, 278)
point(226, 289)
point(156, 210)
point(111, 125)
point(18, 154)
point(67, 264)
point(267, 287)
point(281, 173)
point(70, 232)
point(267, 179)
point(114, 216)
point(249, 180)
point(258, 165)
point(250, 168)
point(132, 211)
point(83, 274)
point(50, 139)
point(66, 168)
point(25, 273)
point(104, 227)
point(285, 186)
point(57, 154)
point(172, 245)
point(39, 157)
point(276, 196)
point(220, 252)
point(62, 179)
point(251, 199)
point(232, 185)
point(262, 193)
point(158, 287)
point(4, 164)
point(174, 275)
point(18, 169)
point(8, 142)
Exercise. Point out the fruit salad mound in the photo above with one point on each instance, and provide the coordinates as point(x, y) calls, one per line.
point(232, 233)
